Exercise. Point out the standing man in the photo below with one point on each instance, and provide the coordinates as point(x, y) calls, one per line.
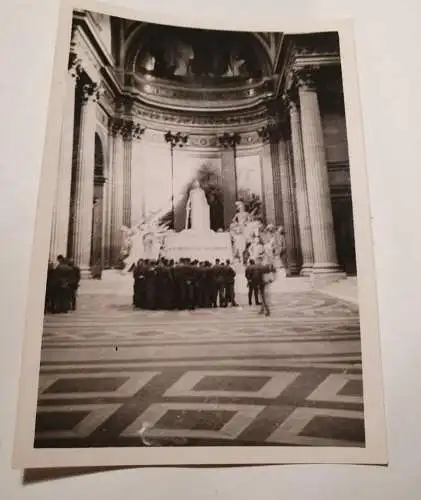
point(229, 285)
point(252, 282)
point(74, 283)
point(264, 276)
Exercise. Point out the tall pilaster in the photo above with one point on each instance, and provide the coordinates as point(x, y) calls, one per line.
point(84, 180)
point(320, 205)
point(131, 132)
point(127, 176)
point(267, 178)
point(277, 182)
point(174, 140)
point(61, 210)
point(288, 207)
point(117, 189)
point(228, 143)
point(108, 193)
point(303, 211)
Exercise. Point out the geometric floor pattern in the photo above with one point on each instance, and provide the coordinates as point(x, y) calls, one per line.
point(114, 376)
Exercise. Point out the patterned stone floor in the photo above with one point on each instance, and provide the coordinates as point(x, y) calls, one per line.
point(112, 376)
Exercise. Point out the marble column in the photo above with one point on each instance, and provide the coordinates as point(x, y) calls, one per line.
point(84, 181)
point(107, 209)
point(137, 187)
point(303, 211)
point(117, 191)
point(319, 198)
point(127, 177)
point(267, 183)
point(277, 187)
point(288, 207)
point(132, 135)
point(61, 210)
point(228, 143)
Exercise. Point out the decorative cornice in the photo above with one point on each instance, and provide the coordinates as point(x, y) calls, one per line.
point(182, 96)
point(206, 121)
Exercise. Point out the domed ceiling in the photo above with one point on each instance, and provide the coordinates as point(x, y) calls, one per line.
point(198, 56)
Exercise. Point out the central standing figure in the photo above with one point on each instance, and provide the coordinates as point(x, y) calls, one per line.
point(197, 209)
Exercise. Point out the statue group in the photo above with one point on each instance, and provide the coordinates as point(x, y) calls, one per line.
point(250, 238)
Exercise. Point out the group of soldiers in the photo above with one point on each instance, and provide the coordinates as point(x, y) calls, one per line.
point(186, 284)
point(189, 284)
point(63, 280)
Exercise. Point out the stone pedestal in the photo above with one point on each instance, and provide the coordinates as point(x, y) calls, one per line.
point(324, 246)
point(84, 183)
point(200, 245)
point(303, 211)
point(61, 210)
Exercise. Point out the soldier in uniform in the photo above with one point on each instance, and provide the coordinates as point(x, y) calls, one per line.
point(252, 284)
point(229, 284)
point(73, 283)
point(218, 277)
point(150, 285)
point(264, 274)
point(63, 274)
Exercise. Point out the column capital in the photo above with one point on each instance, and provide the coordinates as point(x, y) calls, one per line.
point(176, 139)
point(291, 99)
point(305, 77)
point(74, 65)
point(91, 91)
point(131, 130)
point(229, 140)
point(274, 132)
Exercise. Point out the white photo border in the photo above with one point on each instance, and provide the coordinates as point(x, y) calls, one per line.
point(25, 455)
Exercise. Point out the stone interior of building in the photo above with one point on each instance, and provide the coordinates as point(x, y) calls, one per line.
point(257, 117)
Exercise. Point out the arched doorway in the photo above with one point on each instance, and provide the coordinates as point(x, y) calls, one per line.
point(97, 254)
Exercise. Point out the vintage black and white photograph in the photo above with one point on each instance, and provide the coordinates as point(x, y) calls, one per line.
point(201, 280)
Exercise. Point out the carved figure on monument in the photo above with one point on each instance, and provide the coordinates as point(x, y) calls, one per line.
point(197, 209)
point(256, 249)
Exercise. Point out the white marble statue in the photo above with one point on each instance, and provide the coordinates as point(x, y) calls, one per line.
point(197, 209)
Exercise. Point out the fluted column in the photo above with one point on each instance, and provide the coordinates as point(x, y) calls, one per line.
point(228, 143)
point(61, 210)
point(288, 207)
point(320, 205)
point(127, 176)
point(268, 185)
point(84, 180)
point(117, 190)
point(303, 211)
point(276, 174)
point(108, 204)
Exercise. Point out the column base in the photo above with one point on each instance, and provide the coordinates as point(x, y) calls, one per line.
point(85, 273)
point(325, 274)
point(306, 270)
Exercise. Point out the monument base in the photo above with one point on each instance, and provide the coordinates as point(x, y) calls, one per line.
point(200, 245)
